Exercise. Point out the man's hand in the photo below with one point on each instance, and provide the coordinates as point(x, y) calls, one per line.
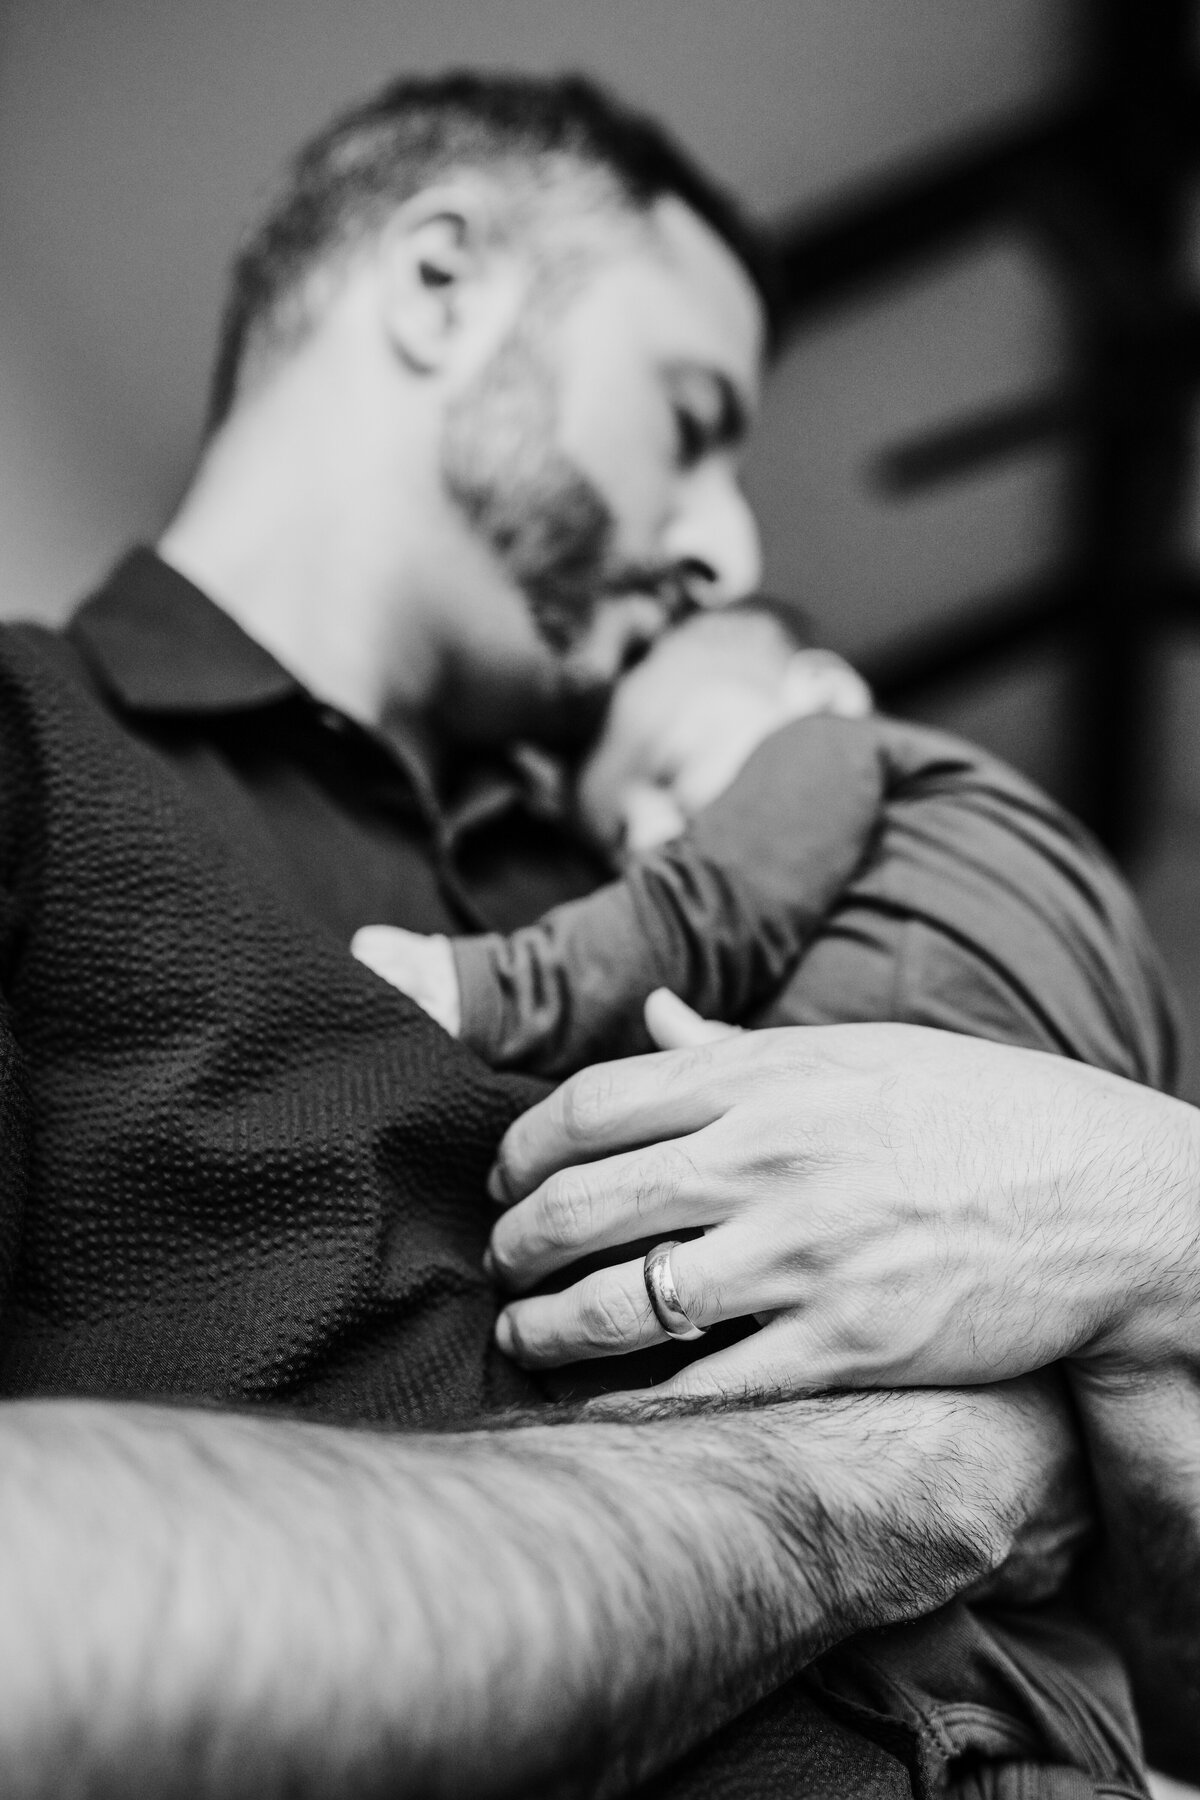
point(908, 1206)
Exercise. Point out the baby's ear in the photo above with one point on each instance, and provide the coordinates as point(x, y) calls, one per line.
point(819, 681)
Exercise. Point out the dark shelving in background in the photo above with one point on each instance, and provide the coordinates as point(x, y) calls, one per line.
point(1104, 190)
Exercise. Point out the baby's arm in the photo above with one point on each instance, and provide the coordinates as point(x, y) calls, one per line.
point(719, 915)
point(985, 909)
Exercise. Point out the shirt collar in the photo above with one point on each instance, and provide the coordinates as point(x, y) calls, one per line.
point(160, 645)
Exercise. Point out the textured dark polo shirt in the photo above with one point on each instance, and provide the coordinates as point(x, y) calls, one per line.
point(341, 818)
point(235, 1164)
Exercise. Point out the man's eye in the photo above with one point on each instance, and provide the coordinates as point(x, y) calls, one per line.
point(691, 438)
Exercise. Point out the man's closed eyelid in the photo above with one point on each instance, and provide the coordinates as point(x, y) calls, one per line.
point(693, 438)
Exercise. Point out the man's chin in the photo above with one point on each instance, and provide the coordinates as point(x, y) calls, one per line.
point(572, 712)
point(561, 710)
point(585, 676)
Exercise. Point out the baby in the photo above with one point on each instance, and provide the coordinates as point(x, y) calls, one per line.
point(717, 900)
point(788, 857)
point(687, 718)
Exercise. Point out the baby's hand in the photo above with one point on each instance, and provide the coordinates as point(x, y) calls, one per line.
point(421, 967)
point(820, 681)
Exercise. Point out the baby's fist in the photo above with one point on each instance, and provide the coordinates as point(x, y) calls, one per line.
point(421, 967)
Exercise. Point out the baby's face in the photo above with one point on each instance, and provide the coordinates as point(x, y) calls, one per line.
point(669, 755)
point(681, 725)
point(683, 722)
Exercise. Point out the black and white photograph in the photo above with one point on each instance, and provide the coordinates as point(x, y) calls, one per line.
point(600, 900)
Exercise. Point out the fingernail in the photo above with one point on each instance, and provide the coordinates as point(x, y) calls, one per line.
point(495, 1185)
point(504, 1334)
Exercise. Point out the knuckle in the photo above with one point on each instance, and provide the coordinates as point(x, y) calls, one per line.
point(686, 1067)
point(609, 1316)
point(567, 1211)
point(587, 1102)
point(790, 1144)
point(652, 1181)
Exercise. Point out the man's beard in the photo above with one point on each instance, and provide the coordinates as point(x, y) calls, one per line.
point(547, 524)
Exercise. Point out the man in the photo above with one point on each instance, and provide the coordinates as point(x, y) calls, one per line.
point(482, 379)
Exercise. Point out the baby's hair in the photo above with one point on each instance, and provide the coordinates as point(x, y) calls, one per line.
point(761, 619)
point(788, 614)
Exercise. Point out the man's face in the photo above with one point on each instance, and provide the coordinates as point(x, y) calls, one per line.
point(596, 452)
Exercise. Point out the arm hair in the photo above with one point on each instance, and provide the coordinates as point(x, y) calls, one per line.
point(233, 1605)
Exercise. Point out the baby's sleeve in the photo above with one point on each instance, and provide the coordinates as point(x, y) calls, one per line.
point(984, 908)
point(720, 915)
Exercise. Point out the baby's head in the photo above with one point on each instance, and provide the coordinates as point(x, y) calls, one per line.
point(682, 723)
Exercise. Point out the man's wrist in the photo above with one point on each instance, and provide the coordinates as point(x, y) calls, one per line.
point(898, 1500)
point(1149, 1155)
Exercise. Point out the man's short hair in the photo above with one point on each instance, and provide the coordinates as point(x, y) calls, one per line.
point(531, 131)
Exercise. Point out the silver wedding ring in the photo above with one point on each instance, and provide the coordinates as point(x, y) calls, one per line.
point(664, 1295)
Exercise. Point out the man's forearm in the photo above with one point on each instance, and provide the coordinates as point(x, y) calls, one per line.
point(1143, 1434)
point(242, 1605)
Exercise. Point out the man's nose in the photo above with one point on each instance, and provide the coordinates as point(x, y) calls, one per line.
point(713, 539)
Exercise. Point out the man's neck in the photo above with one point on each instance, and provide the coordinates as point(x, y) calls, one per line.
point(289, 555)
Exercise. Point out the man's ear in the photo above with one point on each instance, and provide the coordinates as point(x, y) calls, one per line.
point(433, 263)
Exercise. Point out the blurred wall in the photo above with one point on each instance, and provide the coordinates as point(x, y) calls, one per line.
point(979, 327)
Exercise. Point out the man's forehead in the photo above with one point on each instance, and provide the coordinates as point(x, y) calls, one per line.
point(695, 299)
point(702, 258)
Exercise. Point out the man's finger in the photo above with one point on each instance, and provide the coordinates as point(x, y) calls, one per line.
point(617, 1106)
point(616, 1200)
point(753, 1367)
point(673, 1025)
point(609, 1313)
point(606, 1314)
